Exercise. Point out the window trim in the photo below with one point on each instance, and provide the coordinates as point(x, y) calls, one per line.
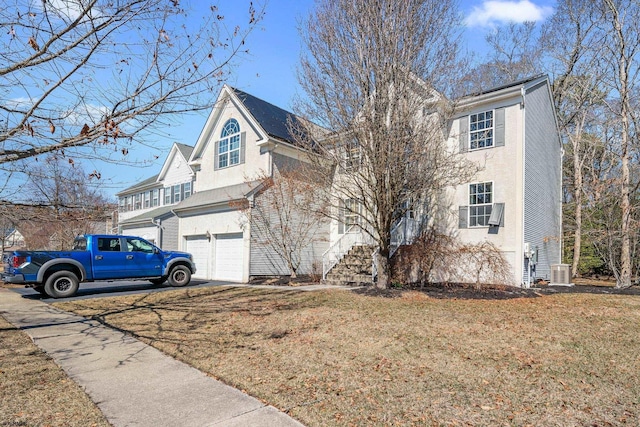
point(470, 205)
point(227, 137)
point(492, 129)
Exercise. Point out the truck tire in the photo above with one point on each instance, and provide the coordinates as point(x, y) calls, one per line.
point(61, 284)
point(180, 275)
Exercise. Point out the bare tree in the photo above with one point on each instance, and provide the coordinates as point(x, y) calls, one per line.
point(377, 72)
point(62, 204)
point(515, 52)
point(287, 217)
point(103, 74)
point(621, 24)
point(572, 42)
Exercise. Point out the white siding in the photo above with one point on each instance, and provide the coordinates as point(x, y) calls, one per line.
point(542, 179)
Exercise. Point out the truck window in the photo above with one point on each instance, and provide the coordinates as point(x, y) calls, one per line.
point(109, 244)
point(80, 244)
point(135, 244)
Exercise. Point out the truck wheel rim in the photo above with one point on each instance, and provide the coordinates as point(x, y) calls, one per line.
point(63, 285)
point(179, 276)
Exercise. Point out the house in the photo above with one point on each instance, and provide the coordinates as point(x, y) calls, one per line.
point(514, 202)
point(243, 140)
point(145, 209)
point(12, 240)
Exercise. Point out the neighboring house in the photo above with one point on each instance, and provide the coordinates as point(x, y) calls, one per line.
point(145, 209)
point(514, 202)
point(13, 240)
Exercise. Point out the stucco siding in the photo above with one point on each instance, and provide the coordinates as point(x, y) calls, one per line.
point(542, 180)
point(502, 167)
point(256, 160)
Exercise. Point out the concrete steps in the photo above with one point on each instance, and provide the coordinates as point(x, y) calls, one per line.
point(354, 269)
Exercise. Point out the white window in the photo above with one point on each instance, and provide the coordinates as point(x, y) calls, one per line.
point(147, 199)
point(480, 202)
point(187, 189)
point(154, 197)
point(350, 213)
point(138, 202)
point(351, 155)
point(167, 195)
point(176, 193)
point(229, 145)
point(481, 130)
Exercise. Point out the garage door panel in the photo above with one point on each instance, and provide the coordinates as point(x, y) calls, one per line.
point(199, 247)
point(229, 257)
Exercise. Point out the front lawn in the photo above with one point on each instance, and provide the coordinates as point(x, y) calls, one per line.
point(343, 358)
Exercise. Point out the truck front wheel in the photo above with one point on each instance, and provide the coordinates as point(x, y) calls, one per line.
point(61, 284)
point(179, 276)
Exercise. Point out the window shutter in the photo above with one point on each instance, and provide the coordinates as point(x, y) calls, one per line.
point(341, 217)
point(463, 215)
point(463, 135)
point(499, 128)
point(216, 147)
point(243, 143)
point(497, 215)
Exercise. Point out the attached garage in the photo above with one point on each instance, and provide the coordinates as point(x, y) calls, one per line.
point(229, 257)
point(199, 247)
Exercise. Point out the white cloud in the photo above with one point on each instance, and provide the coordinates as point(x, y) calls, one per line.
point(493, 12)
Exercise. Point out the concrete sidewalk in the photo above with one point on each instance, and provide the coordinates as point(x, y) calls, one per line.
point(132, 383)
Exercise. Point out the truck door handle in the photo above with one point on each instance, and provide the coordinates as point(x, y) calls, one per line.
point(129, 256)
point(98, 256)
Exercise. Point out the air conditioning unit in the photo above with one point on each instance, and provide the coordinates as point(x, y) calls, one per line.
point(561, 275)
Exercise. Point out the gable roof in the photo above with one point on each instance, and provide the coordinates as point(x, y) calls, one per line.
point(177, 148)
point(184, 149)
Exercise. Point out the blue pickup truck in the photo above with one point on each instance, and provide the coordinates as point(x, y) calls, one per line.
point(96, 257)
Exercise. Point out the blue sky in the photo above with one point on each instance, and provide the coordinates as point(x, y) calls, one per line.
point(269, 71)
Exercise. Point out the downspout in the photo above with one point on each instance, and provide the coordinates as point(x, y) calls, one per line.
point(158, 223)
point(527, 284)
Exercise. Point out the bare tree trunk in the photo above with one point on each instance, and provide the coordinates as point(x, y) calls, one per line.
point(384, 270)
point(624, 50)
point(577, 180)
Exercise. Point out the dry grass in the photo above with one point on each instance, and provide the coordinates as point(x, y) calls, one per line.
point(339, 358)
point(35, 391)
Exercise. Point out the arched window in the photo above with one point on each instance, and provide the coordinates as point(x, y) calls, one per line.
point(230, 146)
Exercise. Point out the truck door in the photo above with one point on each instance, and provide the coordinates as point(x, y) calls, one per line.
point(109, 261)
point(143, 260)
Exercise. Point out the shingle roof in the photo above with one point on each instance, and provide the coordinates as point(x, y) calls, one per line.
point(185, 149)
point(139, 185)
point(504, 86)
point(217, 195)
point(273, 119)
point(149, 216)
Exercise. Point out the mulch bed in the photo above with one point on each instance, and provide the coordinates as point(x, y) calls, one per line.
point(494, 292)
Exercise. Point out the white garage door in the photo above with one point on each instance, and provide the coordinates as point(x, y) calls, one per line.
point(229, 262)
point(199, 248)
